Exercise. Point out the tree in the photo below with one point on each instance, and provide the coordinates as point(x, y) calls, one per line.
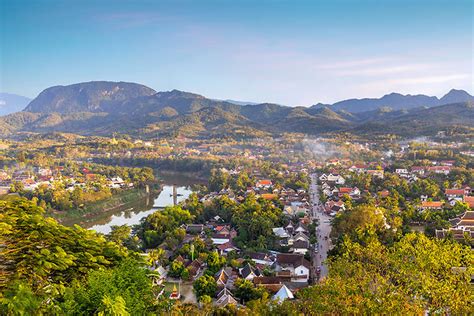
point(155, 256)
point(246, 291)
point(359, 218)
point(16, 187)
point(214, 262)
point(113, 307)
point(205, 285)
point(129, 281)
point(119, 234)
point(176, 269)
point(415, 275)
point(44, 252)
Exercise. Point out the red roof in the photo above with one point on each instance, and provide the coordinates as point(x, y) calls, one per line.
point(469, 200)
point(264, 182)
point(454, 192)
point(269, 196)
point(434, 204)
point(440, 168)
point(345, 190)
point(384, 193)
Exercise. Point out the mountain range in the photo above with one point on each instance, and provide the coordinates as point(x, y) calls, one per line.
point(102, 108)
point(11, 103)
point(397, 101)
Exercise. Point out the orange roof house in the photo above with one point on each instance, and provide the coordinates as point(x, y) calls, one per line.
point(269, 196)
point(469, 200)
point(264, 183)
point(431, 204)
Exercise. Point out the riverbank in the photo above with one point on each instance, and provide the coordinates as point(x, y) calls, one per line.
point(94, 212)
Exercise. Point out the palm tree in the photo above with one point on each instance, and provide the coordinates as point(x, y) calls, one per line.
point(155, 256)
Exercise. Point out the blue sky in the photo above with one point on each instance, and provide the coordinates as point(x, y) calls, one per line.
point(288, 52)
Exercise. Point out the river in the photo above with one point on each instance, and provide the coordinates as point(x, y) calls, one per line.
point(131, 214)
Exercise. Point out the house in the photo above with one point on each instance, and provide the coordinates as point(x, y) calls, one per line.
point(280, 232)
point(261, 258)
point(431, 205)
point(376, 173)
point(300, 246)
point(469, 200)
point(466, 220)
point(420, 170)
point(268, 196)
point(402, 172)
point(248, 272)
point(227, 247)
point(194, 229)
point(440, 169)
point(263, 184)
point(462, 226)
point(357, 168)
point(384, 193)
point(454, 193)
point(194, 268)
point(301, 229)
point(283, 294)
point(449, 163)
point(336, 178)
point(223, 234)
point(224, 298)
point(334, 207)
point(352, 192)
point(294, 265)
point(222, 278)
point(267, 280)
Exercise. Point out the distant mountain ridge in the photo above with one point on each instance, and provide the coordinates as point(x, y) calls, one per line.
point(102, 108)
point(11, 103)
point(94, 96)
point(397, 101)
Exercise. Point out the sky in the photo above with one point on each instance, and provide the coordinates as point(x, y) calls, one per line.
point(287, 52)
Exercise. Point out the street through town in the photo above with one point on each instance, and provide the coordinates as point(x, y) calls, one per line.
point(323, 230)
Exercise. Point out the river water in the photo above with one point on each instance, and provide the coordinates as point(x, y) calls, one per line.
point(131, 214)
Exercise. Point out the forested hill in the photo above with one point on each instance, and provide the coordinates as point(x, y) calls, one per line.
point(102, 108)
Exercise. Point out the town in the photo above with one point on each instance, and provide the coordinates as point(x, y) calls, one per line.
point(270, 213)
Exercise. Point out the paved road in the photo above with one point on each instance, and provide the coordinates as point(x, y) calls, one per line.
point(322, 230)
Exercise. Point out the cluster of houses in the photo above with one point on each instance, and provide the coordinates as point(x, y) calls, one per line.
point(453, 196)
point(291, 272)
point(462, 228)
point(295, 237)
point(35, 177)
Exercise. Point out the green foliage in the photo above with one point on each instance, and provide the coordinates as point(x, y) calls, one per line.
point(119, 234)
point(125, 287)
point(246, 291)
point(205, 285)
point(163, 226)
point(43, 252)
point(176, 269)
point(357, 221)
point(214, 262)
point(414, 274)
point(254, 220)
